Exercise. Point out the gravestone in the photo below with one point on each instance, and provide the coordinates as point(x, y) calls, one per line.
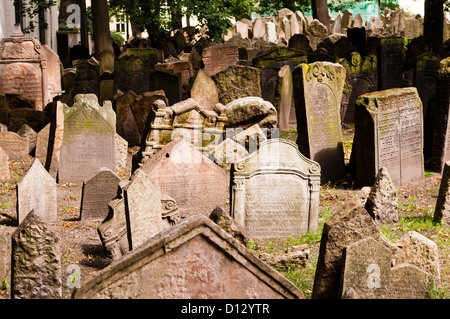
point(204, 91)
point(343, 228)
point(30, 134)
point(193, 250)
point(126, 125)
point(5, 253)
point(37, 191)
point(87, 78)
point(42, 143)
point(358, 38)
point(382, 202)
point(142, 198)
point(442, 209)
point(97, 191)
point(169, 83)
point(388, 133)
point(275, 191)
point(196, 183)
point(218, 57)
point(89, 139)
point(237, 81)
point(317, 92)
point(142, 109)
point(409, 282)
point(4, 165)
point(121, 152)
point(362, 77)
point(15, 146)
point(55, 140)
point(36, 260)
point(390, 62)
point(247, 111)
point(366, 269)
point(184, 68)
point(300, 42)
point(132, 68)
point(284, 99)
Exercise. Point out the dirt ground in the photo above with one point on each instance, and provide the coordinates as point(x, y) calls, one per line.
point(81, 245)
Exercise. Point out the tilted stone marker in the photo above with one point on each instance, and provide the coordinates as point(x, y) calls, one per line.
point(55, 138)
point(389, 133)
point(196, 183)
point(4, 165)
point(442, 209)
point(194, 259)
point(382, 202)
point(204, 91)
point(367, 268)
point(30, 134)
point(36, 260)
point(97, 191)
point(142, 198)
point(219, 57)
point(409, 282)
point(89, 139)
point(275, 191)
point(15, 146)
point(37, 191)
point(5, 253)
point(318, 92)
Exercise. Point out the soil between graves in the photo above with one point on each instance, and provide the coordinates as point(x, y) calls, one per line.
point(81, 245)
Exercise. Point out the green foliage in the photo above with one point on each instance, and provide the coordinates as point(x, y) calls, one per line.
point(33, 8)
point(342, 5)
point(117, 38)
point(270, 7)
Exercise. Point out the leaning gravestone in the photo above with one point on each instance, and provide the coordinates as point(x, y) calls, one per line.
point(142, 199)
point(196, 183)
point(36, 260)
point(284, 99)
point(367, 265)
point(389, 133)
point(318, 92)
point(30, 134)
point(37, 191)
point(4, 166)
point(442, 209)
point(42, 143)
point(409, 282)
point(204, 91)
point(275, 191)
point(15, 146)
point(219, 57)
point(89, 139)
point(189, 252)
point(5, 253)
point(97, 191)
point(55, 138)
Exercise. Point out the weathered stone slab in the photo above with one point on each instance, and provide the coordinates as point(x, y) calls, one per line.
point(196, 183)
point(284, 99)
point(204, 91)
point(343, 228)
point(55, 140)
point(409, 282)
point(318, 92)
point(30, 134)
point(142, 198)
point(37, 191)
point(219, 57)
point(190, 251)
point(390, 59)
point(15, 146)
point(366, 270)
point(389, 133)
point(97, 191)
point(5, 253)
point(89, 139)
point(42, 143)
point(126, 125)
point(167, 82)
point(442, 209)
point(275, 191)
point(121, 152)
point(36, 260)
point(4, 165)
point(248, 111)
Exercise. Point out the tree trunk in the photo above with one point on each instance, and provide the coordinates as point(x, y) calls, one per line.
point(84, 31)
point(104, 51)
point(134, 26)
point(433, 26)
point(320, 12)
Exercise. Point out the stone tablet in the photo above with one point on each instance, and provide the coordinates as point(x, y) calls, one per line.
point(367, 265)
point(89, 139)
point(390, 62)
point(318, 92)
point(194, 259)
point(5, 252)
point(169, 83)
point(389, 133)
point(4, 166)
point(219, 57)
point(30, 134)
point(442, 209)
point(204, 91)
point(409, 282)
point(36, 260)
point(275, 191)
point(97, 191)
point(196, 183)
point(37, 191)
point(15, 146)
point(42, 143)
point(142, 200)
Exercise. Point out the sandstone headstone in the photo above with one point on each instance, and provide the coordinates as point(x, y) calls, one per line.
point(390, 62)
point(98, 190)
point(219, 57)
point(126, 125)
point(36, 260)
point(316, 32)
point(343, 228)
point(169, 83)
point(4, 165)
point(184, 68)
point(196, 183)
point(30, 134)
point(229, 152)
point(5, 253)
point(87, 78)
point(409, 282)
point(366, 270)
point(189, 256)
point(204, 91)
point(121, 152)
point(89, 139)
point(318, 92)
point(15, 146)
point(382, 203)
point(248, 110)
point(37, 191)
point(42, 143)
point(142, 199)
point(284, 99)
point(389, 133)
point(275, 191)
point(55, 140)
point(442, 209)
